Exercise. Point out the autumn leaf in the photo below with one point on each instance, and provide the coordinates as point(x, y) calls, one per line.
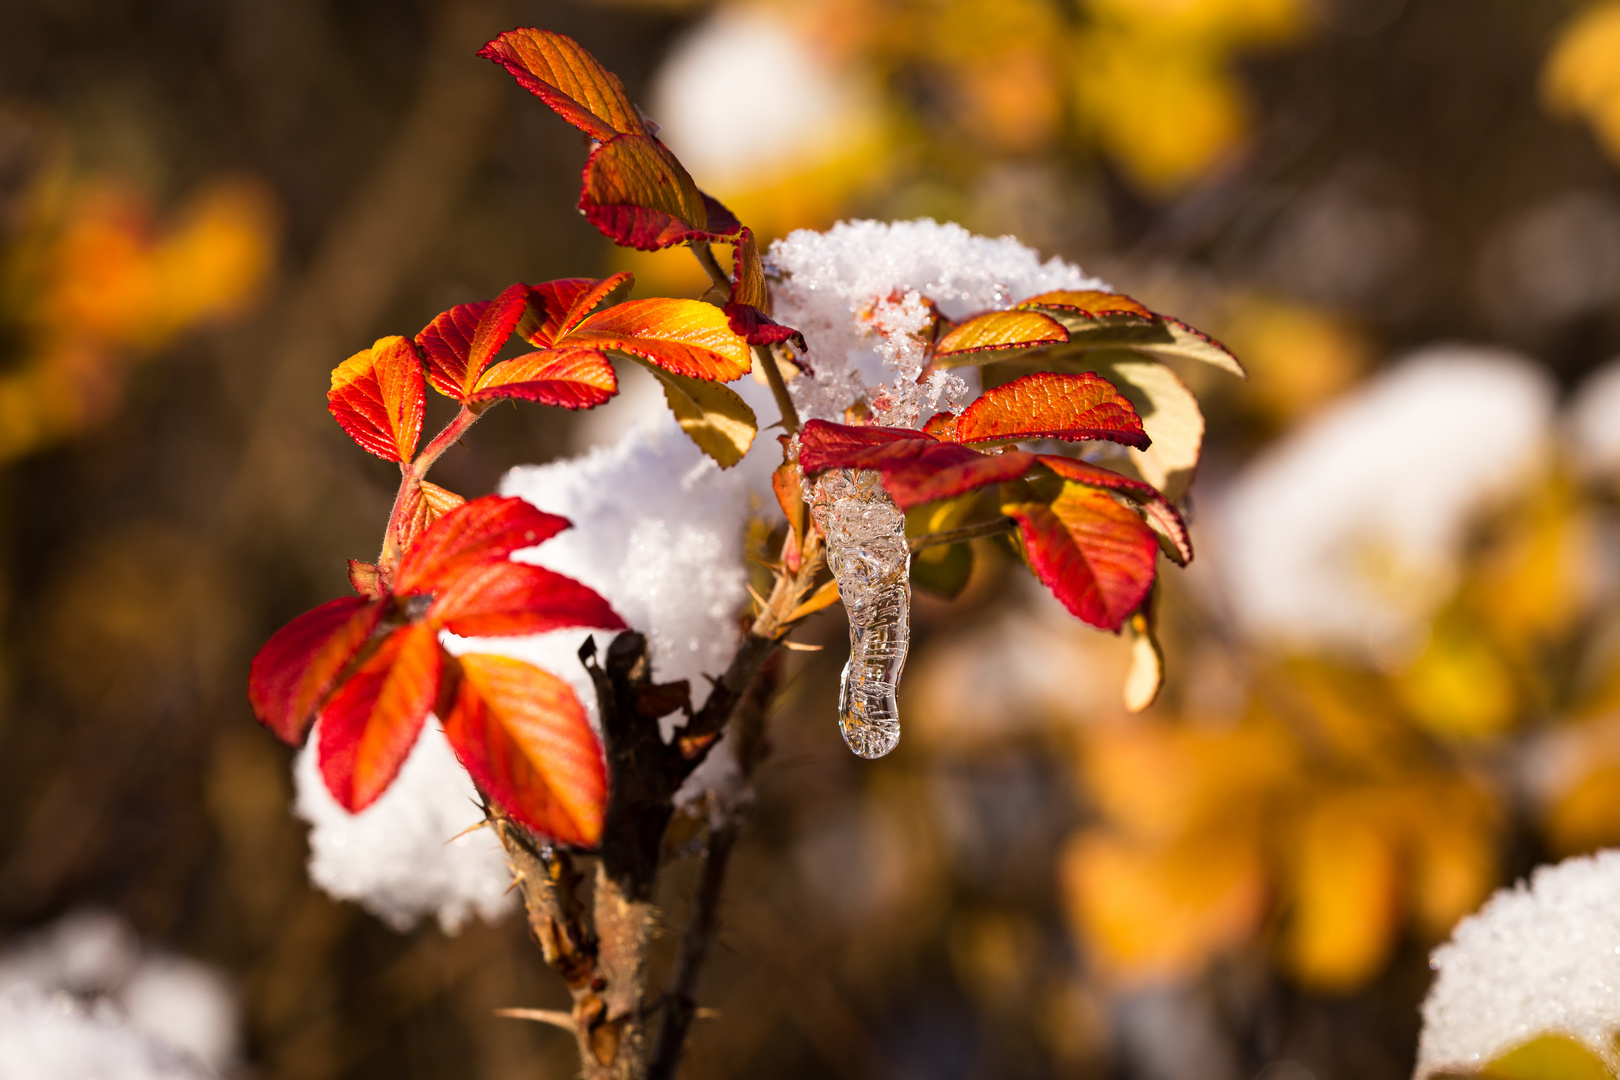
point(503, 598)
point(424, 503)
point(1343, 914)
point(378, 395)
point(687, 337)
point(639, 195)
point(714, 417)
point(746, 308)
point(1103, 320)
point(1046, 405)
point(460, 343)
point(523, 736)
point(483, 531)
point(998, 331)
point(567, 378)
point(298, 666)
point(559, 71)
point(557, 307)
point(370, 724)
point(1161, 517)
point(1095, 555)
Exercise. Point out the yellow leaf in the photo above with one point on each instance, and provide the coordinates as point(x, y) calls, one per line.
point(713, 416)
point(1582, 76)
point(1146, 675)
point(1548, 1057)
point(1150, 911)
point(1343, 900)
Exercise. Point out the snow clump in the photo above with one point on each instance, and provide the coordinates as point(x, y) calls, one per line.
point(1347, 533)
point(856, 292)
point(1536, 959)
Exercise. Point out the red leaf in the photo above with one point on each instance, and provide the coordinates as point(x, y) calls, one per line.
point(758, 328)
point(445, 342)
point(996, 331)
point(916, 467)
point(366, 580)
point(639, 195)
point(570, 378)
point(377, 396)
point(295, 669)
point(1091, 304)
point(1160, 515)
point(502, 598)
point(748, 274)
point(1095, 555)
point(482, 531)
point(557, 307)
point(559, 71)
point(687, 337)
point(369, 726)
point(1046, 405)
point(461, 342)
point(523, 736)
point(425, 503)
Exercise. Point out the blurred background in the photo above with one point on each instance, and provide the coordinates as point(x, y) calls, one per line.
point(1392, 678)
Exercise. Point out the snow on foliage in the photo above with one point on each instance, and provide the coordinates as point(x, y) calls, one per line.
point(83, 999)
point(657, 530)
point(824, 282)
point(1595, 420)
point(1537, 958)
point(1346, 533)
point(407, 854)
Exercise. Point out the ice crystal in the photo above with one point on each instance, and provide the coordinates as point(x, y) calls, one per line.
point(867, 553)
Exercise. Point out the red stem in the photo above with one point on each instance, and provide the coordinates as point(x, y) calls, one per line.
point(412, 475)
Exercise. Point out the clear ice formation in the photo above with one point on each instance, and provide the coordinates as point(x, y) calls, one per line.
point(867, 552)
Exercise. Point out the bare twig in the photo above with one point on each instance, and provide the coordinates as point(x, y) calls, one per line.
point(680, 1005)
point(711, 266)
point(966, 532)
point(766, 359)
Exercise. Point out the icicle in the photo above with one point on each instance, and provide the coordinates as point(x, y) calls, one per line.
point(866, 549)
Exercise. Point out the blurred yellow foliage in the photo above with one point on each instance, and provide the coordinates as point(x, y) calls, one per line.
point(93, 283)
point(1582, 74)
point(1298, 358)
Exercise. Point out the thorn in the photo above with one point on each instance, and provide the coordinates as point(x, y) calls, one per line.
point(587, 650)
point(758, 599)
point(469, 830)
point(517, 880)
point(799, 646)
point(554, 1017)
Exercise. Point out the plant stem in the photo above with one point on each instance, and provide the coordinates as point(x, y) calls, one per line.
point(411, 477)
point(966, 532)
point(711, 266)
point(766, 359)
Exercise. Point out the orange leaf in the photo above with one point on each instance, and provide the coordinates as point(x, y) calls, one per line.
point(369, 726)
point(524, 737)
point(559, 71)
point(485, 530)
point(295, 669)
point(639, 195)
point(1046, 405)
point(1090, 304)
point(377, 396)
point(916, 467)
point(1095, 555)
point(424, 504)
point(1155, 508)
point(569, 378)
point(687, 337)
point(748, 275)
point(996, 331)
point(503, 598)
point(366, 579)
point(557, 307)
point(461, 342)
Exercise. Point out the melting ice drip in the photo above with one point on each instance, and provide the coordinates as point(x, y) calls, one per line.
point(866, 549)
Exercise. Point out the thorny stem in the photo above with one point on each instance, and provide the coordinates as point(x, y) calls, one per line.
point(411, 477)
point(966, 532)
